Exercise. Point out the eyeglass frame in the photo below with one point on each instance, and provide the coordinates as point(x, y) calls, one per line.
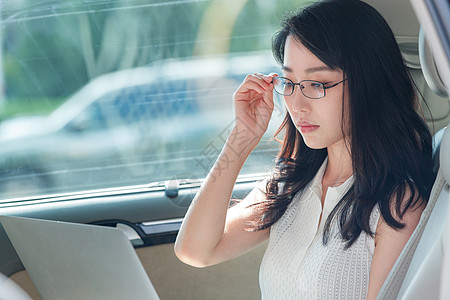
point(299, 83)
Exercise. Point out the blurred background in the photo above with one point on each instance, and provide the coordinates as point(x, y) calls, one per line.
point(106, 94)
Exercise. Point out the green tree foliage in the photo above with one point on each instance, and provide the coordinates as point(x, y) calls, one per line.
point(51, 48)
point(51, 51)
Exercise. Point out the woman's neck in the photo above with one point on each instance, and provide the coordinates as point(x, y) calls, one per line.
point(339, 167)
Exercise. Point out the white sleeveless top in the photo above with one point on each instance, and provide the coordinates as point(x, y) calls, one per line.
point(296, 265)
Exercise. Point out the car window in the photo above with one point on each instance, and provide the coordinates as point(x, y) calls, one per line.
point(106, 94)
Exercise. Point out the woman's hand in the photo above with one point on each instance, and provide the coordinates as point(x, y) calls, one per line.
point(253, 102)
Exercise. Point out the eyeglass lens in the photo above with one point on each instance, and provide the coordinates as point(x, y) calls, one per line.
point(309, 88)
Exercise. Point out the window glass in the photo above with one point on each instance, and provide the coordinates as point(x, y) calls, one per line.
point(104, 94)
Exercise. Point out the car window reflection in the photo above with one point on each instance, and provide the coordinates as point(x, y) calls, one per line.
point(125, 92)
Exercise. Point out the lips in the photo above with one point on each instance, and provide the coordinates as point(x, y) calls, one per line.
point(306, 127)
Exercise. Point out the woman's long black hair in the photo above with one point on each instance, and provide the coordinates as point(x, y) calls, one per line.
point(390, 144)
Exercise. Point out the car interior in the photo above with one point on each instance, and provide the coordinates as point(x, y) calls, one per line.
point(149, 180)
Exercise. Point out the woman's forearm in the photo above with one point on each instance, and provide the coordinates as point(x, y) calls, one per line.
point(204, 222)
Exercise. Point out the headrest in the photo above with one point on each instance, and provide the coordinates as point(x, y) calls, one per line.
point(444, 155)
point(429, 68)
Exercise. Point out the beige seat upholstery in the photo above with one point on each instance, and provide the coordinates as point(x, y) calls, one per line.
point(417, 272)
point(11, 291)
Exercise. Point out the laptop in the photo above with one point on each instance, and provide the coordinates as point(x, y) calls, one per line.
point(77, 261)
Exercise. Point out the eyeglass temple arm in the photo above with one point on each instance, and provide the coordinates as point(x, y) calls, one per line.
point(328, 87)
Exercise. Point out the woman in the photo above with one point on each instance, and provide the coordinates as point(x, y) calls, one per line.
point(354, 173)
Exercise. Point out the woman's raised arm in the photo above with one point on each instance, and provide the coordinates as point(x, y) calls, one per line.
point(211, 233)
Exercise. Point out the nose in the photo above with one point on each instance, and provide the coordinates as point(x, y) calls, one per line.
point(297, 102)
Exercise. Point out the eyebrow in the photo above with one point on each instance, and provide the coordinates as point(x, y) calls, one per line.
point(309, 70)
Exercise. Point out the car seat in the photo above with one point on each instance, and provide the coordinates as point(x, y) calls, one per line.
point(417, 272)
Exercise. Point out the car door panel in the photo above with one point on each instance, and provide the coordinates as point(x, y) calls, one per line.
point(155, 218)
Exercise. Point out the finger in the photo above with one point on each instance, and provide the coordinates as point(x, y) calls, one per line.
point(251, 85)
point(270, 77)
point(259, 75)
point(255, 78)
point(268, 99)
point(266, 78)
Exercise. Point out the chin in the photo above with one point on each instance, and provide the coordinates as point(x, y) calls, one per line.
point(313, 145)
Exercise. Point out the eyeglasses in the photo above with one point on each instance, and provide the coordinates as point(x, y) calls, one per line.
point(310, 88)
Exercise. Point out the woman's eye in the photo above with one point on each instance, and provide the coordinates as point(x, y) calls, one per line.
point(288, 83)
